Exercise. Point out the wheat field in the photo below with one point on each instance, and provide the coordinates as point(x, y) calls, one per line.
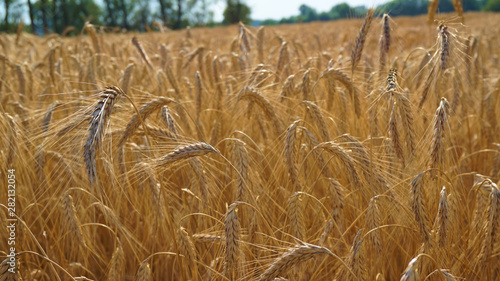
point(360, 149)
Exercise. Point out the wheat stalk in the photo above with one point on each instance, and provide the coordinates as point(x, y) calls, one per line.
point(136, 120)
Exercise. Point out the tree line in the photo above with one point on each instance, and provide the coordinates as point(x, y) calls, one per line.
point(64, 16)
point(394, 8)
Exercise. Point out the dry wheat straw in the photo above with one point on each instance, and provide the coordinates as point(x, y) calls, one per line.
point(427, 87)
point(291, 258)
point(431, 11)
point(341, 155)
point(338, 203)
point(255, 96)
point(197, 167)
point(136, 120)
point(337, 74)
point(355, 262)
point(312, 141)
point(314, 111)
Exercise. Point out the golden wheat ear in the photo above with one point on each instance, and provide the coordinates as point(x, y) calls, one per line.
point(293, 257)
point(99, 119)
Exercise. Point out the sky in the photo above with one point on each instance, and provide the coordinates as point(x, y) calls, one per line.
point(278, 9)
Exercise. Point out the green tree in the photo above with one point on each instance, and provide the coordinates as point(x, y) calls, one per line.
point(7, 4)
point(325, 16)
point(12, 16)
point(235, 12)
point(342, 10)
point(78, 11)
point(110, 16)
point(308, 14)
point(199, 12)
point(492, 5)
point(165, 8)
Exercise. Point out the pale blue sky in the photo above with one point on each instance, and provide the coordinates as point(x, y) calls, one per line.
point(277, 9)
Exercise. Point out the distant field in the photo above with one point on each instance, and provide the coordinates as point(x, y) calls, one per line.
point(363, 149)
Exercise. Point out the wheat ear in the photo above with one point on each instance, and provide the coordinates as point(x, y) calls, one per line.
point(291, 258)
point(232, 235)
point(418, 206)
point(360, 40)
point(144, 273)
point(141, 51)
point(184, 152)
point(98, 121)
point(117, 263)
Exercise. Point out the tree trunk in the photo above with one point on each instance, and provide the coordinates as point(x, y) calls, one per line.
point(32, 18)
point(124, 9)
point(163, 11)
point(6, 20)
point(238, 11)
point(179, 14)
point(55, 27)
point(44, 16)
point(110, 12)
point(64, 9)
